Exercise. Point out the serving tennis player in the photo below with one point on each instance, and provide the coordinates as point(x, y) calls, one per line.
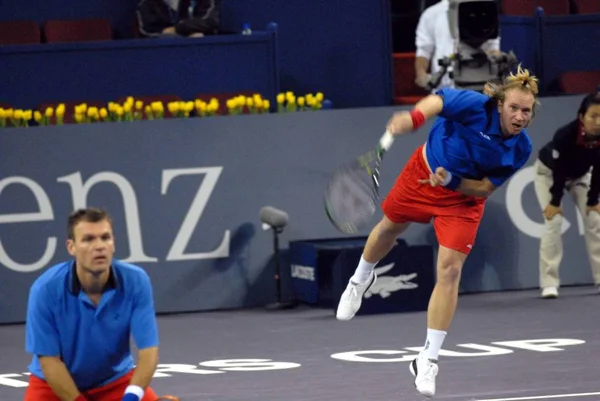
point(477, 142)
point(80, 316)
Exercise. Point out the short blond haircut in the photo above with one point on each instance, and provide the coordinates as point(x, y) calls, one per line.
point(522, 80)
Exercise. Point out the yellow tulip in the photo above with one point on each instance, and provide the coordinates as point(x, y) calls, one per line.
point(103, 113)
point(27, 114)
point(203, 106)
point(259, 103)
point(18, 114)
point(289, 94)
point(189, 106)
point(2, 113)
point(266, 104)
point(148, 110)
point(127, 107)
point(292, 99)
point(37, 116)
point(319, 97)
point(92, 112)
point(249, 102)
point(139, 104)
point(157, 106)
point(257, 97)
point(280, 98)
point(119, 110)
point(173, 107)
point(301, 101)
point(49, 112)
point(213, 107)
point(60, 110)
point(129, 100)
point(231, 103)
point(9, 113)
point(112, 106)
point(79, 117)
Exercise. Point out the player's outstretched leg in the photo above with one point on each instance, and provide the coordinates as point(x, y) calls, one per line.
point(380, 242)
point(440, 313)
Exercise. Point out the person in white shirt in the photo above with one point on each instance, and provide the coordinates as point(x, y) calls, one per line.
point(434, 42)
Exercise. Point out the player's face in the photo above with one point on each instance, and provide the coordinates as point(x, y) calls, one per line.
point(93, 248)
point(591, 120)
point(516, 111)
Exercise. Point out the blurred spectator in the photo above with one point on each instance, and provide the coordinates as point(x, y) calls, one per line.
point(191, 18)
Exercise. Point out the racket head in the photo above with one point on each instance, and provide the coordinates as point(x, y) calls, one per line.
point(352, 194)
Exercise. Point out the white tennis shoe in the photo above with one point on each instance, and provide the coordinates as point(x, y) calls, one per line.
point(351, 299)
point(425, 370)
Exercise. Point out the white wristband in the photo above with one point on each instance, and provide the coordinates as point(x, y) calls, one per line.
point(447, 179)
point(386, 140)
point(137, 390)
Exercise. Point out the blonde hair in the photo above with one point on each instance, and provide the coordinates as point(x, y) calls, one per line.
point(522, 80)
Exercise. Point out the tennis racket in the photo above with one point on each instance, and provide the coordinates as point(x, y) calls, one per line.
point(352, 193)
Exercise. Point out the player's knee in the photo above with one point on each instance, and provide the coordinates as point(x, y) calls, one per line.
point(449, 271)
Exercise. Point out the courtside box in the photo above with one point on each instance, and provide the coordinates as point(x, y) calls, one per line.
point(320, 270)
point(311, 263)
point(405, 279)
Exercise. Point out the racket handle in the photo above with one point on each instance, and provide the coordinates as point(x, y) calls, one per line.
point(386, 140)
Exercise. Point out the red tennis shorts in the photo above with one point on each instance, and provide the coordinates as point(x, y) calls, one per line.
point(39, 390)
point(456, 216)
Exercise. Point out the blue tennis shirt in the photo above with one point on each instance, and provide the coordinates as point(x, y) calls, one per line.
point(93, 342)
point(466, 139)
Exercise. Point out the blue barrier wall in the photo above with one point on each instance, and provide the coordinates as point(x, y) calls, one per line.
point(569, 44)
point(186, 196)
point(109, 70)
point(551, 45)
point(521, 35)
point(340, 48)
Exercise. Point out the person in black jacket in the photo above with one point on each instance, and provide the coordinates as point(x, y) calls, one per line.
point(190, 18)
point(570, 162)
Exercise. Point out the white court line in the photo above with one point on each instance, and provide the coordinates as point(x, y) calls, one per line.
point(541, 397)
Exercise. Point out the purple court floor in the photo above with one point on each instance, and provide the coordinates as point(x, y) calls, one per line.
point(508, 346)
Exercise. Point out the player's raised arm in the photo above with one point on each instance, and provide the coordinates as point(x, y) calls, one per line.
point(403, 122)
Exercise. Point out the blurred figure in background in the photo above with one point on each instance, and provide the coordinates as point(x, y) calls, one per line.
point(191, 18)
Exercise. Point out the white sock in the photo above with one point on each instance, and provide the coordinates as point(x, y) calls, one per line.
point(433, 344)
point(363, 271)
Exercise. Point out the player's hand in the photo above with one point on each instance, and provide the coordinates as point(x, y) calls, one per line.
point(400, 123)
point(550, 211)
point(595, 208)
point(436, 179)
